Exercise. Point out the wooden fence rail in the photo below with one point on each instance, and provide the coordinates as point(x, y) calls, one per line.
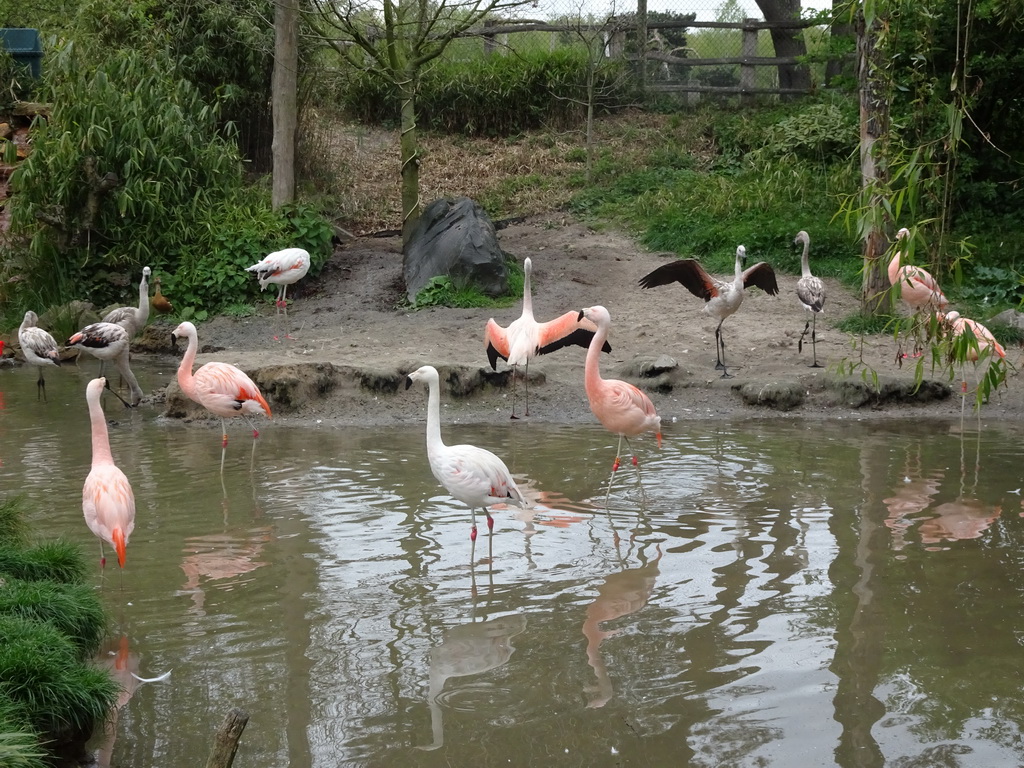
point(615, 31)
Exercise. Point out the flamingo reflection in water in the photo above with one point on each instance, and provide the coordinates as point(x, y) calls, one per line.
point(622, 594)
point(217, 557)
point(123, 665)
point(468, 649)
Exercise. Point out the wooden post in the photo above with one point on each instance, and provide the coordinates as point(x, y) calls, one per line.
point(226, 743)
point(489, 42)
point(748, 50)
point(641, 35)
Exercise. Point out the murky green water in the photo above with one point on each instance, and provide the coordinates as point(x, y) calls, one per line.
point(791, 593)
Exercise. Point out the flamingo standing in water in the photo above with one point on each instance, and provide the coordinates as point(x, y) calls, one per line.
point(281, 268)
point(620, 407)
point(525, 338)
point(107, 498)
point(810, 290)
point(220, 388)
point(39, 348)
point(722, 298)
point(133, 319)
point(109, 341)
point(473, 475)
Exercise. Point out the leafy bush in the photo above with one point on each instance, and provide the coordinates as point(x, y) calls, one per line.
point(173, 195)
point(442, 291)
point(493, 95)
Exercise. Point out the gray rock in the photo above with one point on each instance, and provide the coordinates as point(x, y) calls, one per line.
point(779, 395)
point(1009, 317)
point(455, 237)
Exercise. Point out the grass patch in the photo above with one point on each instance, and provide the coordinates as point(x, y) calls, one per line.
point(442, 291)
point(859, 324)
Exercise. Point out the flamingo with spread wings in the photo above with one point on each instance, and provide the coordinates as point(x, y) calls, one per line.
point(525, 338)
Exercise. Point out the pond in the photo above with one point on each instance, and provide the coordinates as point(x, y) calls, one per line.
point(782, 592)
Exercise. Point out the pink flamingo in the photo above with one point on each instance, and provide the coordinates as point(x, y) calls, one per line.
point(621, 407)
point(220, 388)
point(107, 498)
point(281, 268)
point(39, 348)
point(109, 341)
point(525, 338)
point(722, 298)
point(918, 289)
point(473, 475)
point(986, 341)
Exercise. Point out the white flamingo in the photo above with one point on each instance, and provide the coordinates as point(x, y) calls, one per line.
point(109, 341)
point(525, 338)
point(810, 290)
point(133, 319)
point(722, 298)
point(283, 268)
point(473, 475)
point(39, 348)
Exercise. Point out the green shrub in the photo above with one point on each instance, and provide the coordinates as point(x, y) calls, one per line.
point(493, 95)
point(47, 681)
point(59, 561)
point(72, 609)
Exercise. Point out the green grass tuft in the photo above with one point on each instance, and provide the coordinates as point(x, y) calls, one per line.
point(60, 560)
point(72, 609)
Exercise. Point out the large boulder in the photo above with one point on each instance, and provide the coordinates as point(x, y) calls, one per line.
point(455, 237)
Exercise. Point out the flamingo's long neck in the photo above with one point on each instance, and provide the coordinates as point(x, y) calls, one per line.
point(805, 266)
point(100, 439)
point(185, 378)
point(738, 279)
point(143, 313)
point(592, 372)
point(433, 416)
point(527, 294)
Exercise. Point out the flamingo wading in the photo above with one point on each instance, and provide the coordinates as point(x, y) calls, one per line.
point(810, 290)
point(109, 341)
point(621, 407)
point(107, 499)
point(221, 388)
point(472, 475)
point(525, 338)
point(722, 298)
point(39, 348)
point(283, 268)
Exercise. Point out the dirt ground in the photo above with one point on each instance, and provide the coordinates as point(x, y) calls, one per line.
point(350, 318)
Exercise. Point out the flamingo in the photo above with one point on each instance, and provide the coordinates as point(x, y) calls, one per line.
point(723, 298)
point(918, 289)
point(109, 341)
point(107, 498)
point(810, 290)
point(983, 336)
point(620, 407)
point(220, 388)
point(525, 338)
point(39, 348)
point(159, 301)
point(282, 268)
point(472, 475)
point(133, 319)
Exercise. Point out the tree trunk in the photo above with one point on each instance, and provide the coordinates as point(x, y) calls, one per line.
point(410, 157)
point(842, 36)
point(285, 88)
point(874, 128)
point(787, 42)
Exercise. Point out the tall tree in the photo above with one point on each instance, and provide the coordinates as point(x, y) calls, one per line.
point(398, 41)
point(787, 42)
